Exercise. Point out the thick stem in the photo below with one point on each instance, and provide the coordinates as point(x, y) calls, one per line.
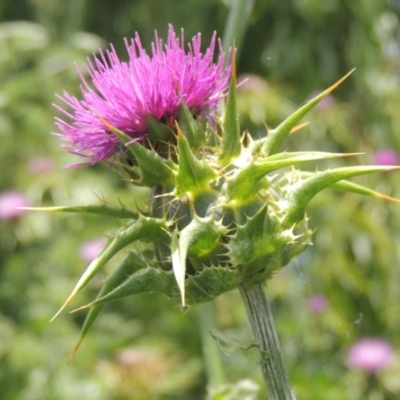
point(211, 351)
point(266, 339)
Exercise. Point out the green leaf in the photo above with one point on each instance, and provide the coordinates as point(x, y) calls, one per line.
point(153, 168)
point(129, 265)
point(194, 175)
point(202, 237)
point(102, 209)
point(199, 239)
point(246, 184)
point(127, 171)
point(304, 190)
point(158, 132)
point(178, 255)
point(144, 229)
point(228, 345)
point(202, 287)
point(255, 241)
point(347, 186)
point(190, 128)
point(276, 137)
point(145, 280)
point(210, 283)
point(230, 144)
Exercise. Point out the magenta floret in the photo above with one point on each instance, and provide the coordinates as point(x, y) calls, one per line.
point(370, 355)
point(124, 93)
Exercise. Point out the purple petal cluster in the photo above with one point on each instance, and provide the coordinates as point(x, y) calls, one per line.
point(386, 157)
point(124, 93)
point(91, 249)
point(370, 355)
point(317, 304)
point(10, 200)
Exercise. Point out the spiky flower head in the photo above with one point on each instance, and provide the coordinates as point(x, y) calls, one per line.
point(127, 94)
point(224, 211)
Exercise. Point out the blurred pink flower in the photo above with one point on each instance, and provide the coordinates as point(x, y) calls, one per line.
point(91, 249)
point(386, 157)
point(9, 201)
point(252, 83)
point(125, 93)
point(370, 355)
point(317, 303)
point(326, 103)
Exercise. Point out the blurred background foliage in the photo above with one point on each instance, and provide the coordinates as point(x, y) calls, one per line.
point(143, 347)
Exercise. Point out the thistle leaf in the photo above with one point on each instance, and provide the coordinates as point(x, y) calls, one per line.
point(145, 280)
point(228, 345)
point(153, 168)
point(255, 241)
point(210, 283)
point(276, 137)
point(158, 132)
point(201, 237)
point(351, 187)
point(246, 184)
point(127, 171)
point(145, 229)
point(190, 127)
point(102, 209)
point(178, 254)
point(194, 175)
point(129, 265)
point(230, 145)
point(304, 190)
point(202, 287)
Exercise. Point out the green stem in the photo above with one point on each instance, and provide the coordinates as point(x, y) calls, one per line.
point(211, 351)
point(266, 339)
point(236, 24)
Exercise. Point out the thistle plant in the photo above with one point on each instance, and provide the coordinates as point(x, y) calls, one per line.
point(225, 210)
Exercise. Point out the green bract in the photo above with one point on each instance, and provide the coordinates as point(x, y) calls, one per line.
point(224, 210)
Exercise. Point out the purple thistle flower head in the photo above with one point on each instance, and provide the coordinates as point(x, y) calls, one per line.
point(124, 93)
point(10, 200)
point(370, 355)
point(91, 249)
point(317, 303)
point(386, 157)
